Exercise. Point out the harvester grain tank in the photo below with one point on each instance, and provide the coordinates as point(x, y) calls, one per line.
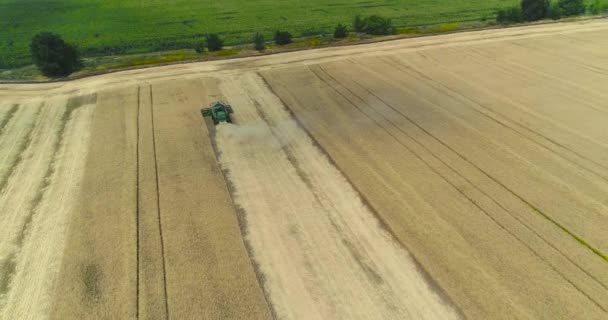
point(219, 112)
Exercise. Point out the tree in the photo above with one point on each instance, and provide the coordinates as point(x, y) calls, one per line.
point(282, 37)
point(340, 32)
point(214, 42)
point(598, 7)
point(378, 25)
point(359, 24)
point(258, 42)
point(571, 7)
point(510, 15)
point(199, 47)
point(555, 11)
point(532, 10)
point(53, 56)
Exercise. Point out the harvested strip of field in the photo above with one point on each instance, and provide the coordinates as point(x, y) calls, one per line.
point(208, 272)
point(321, 251)
point(38, 261)
point(23, 190)
point(14, 139)
point(6, 114)
point(98, 272)
point(471, 165)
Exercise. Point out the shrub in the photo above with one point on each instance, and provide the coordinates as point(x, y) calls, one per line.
point(378, 25)
point(340, 32)
point(200, 47)
point(510, 15)
point(359, 24)
point(258, 42)
point(532, 10)
point(214, 43)
point(53, 56)
point(226, 52)
point(314, 42)
point(282, 37)
point(555, 12)
point(407, 30)
point(448, 27)
point(571, 7)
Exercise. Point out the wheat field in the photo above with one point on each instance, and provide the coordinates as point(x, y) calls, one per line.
point(456, 176)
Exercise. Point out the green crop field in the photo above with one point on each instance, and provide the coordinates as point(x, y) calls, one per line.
point(103, 27)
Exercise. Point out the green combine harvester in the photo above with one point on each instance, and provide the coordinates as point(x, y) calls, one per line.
point(219, 112)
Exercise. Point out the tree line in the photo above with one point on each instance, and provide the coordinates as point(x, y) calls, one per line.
point(56, 58)
point(533, 10)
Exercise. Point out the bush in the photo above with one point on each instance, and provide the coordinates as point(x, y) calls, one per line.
point(571, 7)
point(510, 15)
point(555, 12)
point(200, 47)
point(282, 37)
point(532, 10)
point(340, 32)
point(378, 25)
point(53, 56)
point(214, 43)
point(374, 24)
point(226, 52)
point(359, 24)
point(258, 42)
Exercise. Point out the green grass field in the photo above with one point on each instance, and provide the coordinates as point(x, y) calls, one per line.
point(104, 27)
point(130, 26)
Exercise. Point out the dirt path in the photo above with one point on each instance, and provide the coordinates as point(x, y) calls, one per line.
point(323, 254)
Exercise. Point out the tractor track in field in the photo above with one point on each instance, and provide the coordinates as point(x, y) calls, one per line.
point(532, 207)
point(463, 157)
point(489, 115)
point(160, 224)
point(527, 128)
point(137, 205)
point(475, 203)
point(496, 202)
point(470, 183)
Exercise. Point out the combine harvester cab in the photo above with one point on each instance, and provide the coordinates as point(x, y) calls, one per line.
point(219, 112)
